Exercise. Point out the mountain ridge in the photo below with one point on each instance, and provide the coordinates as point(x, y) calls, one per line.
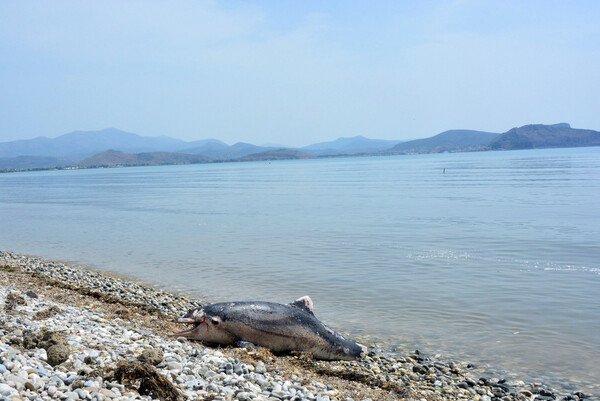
point(112, 147)
point(349, 146)
point(447, 141)
point(81, 144)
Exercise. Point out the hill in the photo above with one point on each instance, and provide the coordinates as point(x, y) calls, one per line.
point(277, 154)
point(348, 146)
point(114, 158)
point(447, 141)
point(537, 136)
point(79, 144)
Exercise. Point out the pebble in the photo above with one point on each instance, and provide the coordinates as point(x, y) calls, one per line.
point(6, 390)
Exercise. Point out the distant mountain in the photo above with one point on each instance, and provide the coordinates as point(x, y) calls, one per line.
point(545, 136)
point(210, 148)
point(32, 162)
point(80, 144)
point(91, 148)
point(221, 151)
point(275, 145)
point(277, 154)
point(348, 146)
point(113, 158)
point(202, 142)
point(447, 141)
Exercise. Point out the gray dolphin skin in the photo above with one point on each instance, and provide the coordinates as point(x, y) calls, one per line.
point(281, 328)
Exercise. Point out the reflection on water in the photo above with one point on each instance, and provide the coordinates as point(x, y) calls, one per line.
point(496, 260)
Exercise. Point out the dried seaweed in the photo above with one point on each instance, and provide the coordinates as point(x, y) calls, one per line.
point(47, 313)
point(354, 374)
point(147, 380)
point(12, 300)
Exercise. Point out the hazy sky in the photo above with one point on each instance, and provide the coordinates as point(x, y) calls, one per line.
point(296, 72)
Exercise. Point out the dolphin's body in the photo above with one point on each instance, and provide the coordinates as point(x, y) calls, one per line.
point(281, 328)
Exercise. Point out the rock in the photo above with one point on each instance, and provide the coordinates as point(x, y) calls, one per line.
point(196, 384)
point(470, 382)
point(174, 366)
point(420, 369)
point(547, 393)
point(260, 367)
point(51, 390)
point(6, 390)
point(83, 394)
point(243, 396)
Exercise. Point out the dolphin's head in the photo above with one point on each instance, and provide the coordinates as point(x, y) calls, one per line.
point(335, 346)
point(363, 351)
point(349, 351)
point(206, 326)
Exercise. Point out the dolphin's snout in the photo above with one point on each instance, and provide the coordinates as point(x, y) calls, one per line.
point(363, 351)
point(188, 322)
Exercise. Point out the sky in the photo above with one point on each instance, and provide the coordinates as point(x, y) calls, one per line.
point(296, 72)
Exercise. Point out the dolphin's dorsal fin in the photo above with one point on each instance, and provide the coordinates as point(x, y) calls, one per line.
point(304, 303)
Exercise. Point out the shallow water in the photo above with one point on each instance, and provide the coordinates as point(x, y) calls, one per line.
point(496, 261)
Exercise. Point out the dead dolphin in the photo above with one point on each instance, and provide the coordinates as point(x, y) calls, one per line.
point(281, 328)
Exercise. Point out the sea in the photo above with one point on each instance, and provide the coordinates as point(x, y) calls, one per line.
point(487, 257)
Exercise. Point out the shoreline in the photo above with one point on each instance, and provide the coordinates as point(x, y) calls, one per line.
point(145, 311)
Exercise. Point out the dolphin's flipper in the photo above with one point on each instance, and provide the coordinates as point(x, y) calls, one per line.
point(245, 344)
point(304, 303)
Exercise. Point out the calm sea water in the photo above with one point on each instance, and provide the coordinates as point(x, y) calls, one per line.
point(497, 261)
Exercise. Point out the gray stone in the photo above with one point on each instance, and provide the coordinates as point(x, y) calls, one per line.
point(6, 390)
point(174, 366)
point(72, 395)
point(51, 390)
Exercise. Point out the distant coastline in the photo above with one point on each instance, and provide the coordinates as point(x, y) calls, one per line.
point(111, 148)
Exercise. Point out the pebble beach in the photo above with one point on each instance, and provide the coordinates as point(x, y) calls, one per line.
point(72, 333)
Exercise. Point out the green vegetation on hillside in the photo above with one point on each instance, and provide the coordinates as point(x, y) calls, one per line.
point(113, 158)
point(537, 136)
point(278, 154)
